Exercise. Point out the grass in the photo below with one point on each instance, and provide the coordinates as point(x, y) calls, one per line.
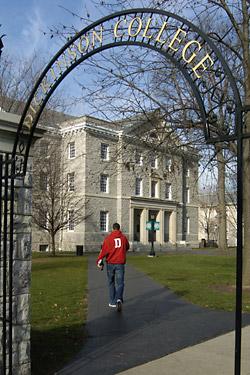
point(59, 302)
point(201, 279)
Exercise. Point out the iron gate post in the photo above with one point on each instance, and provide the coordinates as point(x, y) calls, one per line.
point(239, 254)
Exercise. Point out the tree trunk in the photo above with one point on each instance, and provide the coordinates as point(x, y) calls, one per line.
point(53, 244)
point(221, 207)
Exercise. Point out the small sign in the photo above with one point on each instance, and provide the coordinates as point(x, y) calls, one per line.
point(156, 225)
point(152, 225)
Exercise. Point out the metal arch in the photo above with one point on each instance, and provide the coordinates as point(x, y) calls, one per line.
point(101, 21)
point(103, 48)
point(238, 136)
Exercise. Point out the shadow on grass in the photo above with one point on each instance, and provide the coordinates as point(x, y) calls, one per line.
point(52, 349)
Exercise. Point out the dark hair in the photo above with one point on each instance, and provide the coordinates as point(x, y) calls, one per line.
point(116, 226)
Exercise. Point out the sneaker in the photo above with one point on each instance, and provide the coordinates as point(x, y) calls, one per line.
point(112, 305)
point(119, 305)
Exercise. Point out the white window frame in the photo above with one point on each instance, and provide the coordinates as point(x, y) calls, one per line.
point(71, 223)
point(138, 186)
point(138, 158)
point(187, 195)
point(71, 181)
point(154, 161)
point(168, 163)
point(104, 183)
point(104, 151)
point(71, 150)
point(104, 224)
point(188, 225)
point(168, 188)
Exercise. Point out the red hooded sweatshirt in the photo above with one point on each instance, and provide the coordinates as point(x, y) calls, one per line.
point(114, 248)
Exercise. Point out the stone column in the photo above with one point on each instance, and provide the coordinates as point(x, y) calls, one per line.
point(172, 227)
point(22, 275)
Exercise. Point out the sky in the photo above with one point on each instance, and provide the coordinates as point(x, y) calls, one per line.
point(25, 21)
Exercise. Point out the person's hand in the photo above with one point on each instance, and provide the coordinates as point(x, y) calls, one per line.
point(100, 264)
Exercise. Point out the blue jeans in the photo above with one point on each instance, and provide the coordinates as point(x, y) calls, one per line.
point(115, 274)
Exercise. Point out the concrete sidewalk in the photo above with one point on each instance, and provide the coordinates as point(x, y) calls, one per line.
point(214, 357)
point(155, 324)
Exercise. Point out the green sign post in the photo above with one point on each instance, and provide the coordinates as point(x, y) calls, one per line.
point(152, 226)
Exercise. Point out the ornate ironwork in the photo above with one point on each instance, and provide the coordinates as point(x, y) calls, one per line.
point(181, 42)
point(184, 45)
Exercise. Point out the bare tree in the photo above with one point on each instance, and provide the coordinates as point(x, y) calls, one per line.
point(56, 206)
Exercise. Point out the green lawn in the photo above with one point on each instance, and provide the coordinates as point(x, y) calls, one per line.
point(201, 279)
point(59, 297)
point(59, 302)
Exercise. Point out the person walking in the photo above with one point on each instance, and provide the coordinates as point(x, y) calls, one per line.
point(114, 249)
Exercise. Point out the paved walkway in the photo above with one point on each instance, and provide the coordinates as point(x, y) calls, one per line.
point(154, 323)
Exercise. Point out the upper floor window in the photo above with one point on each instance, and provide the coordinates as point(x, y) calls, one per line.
point(104, 151)
point(138, 158)
point(188, 225)
point(71, 181)
point(154, 189)
point(153, 161)
point(138, 186)
point(71, 150)
point(168, 163)
point(104, 183)
point(103, 221)
point(168, 191)
point(187, 195)
point(71, 222)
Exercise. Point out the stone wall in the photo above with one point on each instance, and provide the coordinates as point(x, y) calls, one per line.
point(21, 279)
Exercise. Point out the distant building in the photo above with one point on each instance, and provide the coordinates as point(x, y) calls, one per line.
point(208, 218)
point(122, 177)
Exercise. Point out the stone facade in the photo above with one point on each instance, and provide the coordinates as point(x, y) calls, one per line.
point(119, 201)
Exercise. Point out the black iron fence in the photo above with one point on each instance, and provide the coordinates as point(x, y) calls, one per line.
point(6, 261)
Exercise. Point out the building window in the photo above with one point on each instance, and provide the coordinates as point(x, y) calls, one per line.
point(71, 181)
point(153, 161)
point(71, 150)
point(138, 158)
point(187, 195)
point(168, 163)
point(188, 225)
point(104, 221)
point(43, 183)
point(104, 151)
point(43, 248)
point(154, 189)
point(138, 186)
point(168, 191)
point(104, 183)
point(71, 222)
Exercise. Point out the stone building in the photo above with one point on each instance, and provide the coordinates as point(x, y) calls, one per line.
point(122, 175)
point(208, 218)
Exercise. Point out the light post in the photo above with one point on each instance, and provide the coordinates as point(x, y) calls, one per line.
point(239, 136)
point(151, 236)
